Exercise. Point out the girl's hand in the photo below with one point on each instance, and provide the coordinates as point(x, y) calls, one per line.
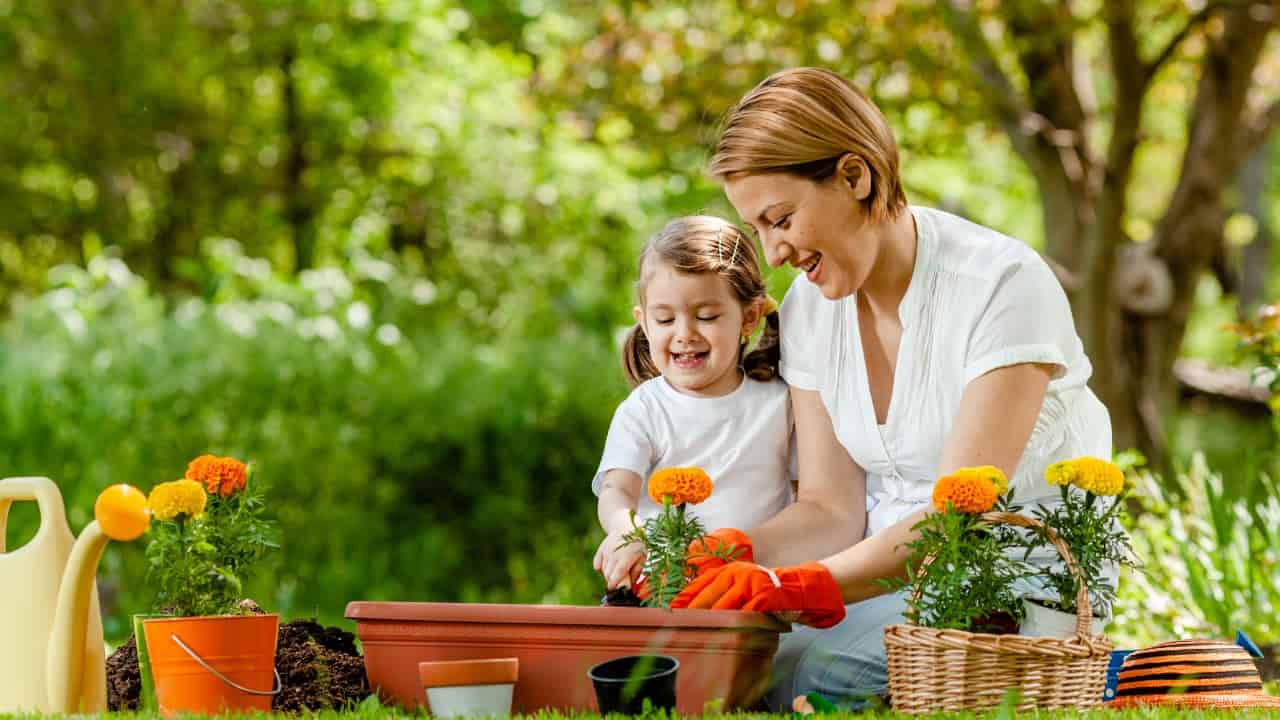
point(618, 563)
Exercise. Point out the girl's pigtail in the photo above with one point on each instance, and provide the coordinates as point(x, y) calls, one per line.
point(636, 360)
point(762, 362)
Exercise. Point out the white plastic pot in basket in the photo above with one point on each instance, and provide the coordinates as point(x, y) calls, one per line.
point(1041, 621)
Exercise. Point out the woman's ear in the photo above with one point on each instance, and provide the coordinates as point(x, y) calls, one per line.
point(638, 314)
point(853, 171)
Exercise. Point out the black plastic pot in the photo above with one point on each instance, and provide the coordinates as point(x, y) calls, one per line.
point(624, 684)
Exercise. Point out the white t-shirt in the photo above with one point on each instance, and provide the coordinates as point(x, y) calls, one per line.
point(977, 301)
point(742, 440)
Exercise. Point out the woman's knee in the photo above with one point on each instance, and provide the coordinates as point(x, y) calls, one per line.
point(846, 663)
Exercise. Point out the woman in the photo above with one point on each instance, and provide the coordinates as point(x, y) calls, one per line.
point(914, 344)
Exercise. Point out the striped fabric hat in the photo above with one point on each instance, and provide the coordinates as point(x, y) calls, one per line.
point(1193, 674)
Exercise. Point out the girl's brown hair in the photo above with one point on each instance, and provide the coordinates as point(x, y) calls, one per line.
point(706, 244)
point(802, 121)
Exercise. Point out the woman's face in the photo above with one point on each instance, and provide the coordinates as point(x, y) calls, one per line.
point(819, 227)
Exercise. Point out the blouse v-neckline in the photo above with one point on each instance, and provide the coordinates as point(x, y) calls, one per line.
point(908, 311)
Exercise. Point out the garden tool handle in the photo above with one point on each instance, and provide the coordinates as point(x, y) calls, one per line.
point(1084, 611)
point(224, 678)
point(24, 489)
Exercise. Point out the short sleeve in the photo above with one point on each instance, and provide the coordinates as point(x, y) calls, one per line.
point(795, 323)
point(629, 444)
point(1025, 319)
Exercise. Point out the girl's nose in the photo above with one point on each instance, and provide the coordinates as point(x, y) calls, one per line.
point(685, 329)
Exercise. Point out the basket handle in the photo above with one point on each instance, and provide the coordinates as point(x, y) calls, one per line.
point(278, 685)
point(1084, 611)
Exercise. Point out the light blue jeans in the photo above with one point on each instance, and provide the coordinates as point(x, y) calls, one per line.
point(845, 663)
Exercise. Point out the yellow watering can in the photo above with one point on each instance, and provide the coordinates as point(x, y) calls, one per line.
point(51, 653)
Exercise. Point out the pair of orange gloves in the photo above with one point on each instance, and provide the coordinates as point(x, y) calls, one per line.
point(807, 589)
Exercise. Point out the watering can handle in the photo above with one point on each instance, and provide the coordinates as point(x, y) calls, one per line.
point(40, 489)
point(224, 678)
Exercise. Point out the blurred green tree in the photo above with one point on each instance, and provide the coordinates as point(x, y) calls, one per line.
point(1132, 120)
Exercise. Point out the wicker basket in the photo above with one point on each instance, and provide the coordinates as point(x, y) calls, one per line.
point(932, 670)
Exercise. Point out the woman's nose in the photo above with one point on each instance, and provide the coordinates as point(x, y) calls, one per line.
point(776, 252)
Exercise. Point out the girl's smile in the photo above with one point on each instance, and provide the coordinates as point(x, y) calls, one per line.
point(694, 325)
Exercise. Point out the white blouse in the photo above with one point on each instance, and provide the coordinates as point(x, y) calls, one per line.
point(977, 300)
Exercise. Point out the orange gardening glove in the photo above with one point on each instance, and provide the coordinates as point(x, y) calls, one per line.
point(808, 589)
point(699, 556)
point(699, 553)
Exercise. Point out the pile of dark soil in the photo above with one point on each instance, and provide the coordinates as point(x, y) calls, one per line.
point(123, 683)
point(319, 668)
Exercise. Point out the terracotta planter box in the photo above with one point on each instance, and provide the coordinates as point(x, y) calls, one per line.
point(725, 655)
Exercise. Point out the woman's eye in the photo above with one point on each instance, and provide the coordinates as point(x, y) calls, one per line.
point(709, 319)
point(783, 221)
point(666, 321)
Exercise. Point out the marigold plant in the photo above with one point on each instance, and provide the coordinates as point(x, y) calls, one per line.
point(1087, 519)
point(208, 531)
point(666, 536)
point(968, 579)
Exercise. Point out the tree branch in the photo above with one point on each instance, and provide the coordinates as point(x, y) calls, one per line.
point(1010, 106)
point(1194, 22)
point(1126, 63)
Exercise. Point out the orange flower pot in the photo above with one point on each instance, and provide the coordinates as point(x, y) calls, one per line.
point(213, 664)
point(725, 656)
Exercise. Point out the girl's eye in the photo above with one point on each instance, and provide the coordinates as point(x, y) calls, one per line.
point(665, 321)
point(783, 221)
point(709, 319)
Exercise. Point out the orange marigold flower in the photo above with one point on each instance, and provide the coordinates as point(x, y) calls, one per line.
point(689, 485)
point(219, 475)
point(966, 492)
point(991, 473)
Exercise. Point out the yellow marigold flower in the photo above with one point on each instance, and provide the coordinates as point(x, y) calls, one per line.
point(1063, 472)
point(219, 475)
point(1098, 476)
point(968, 492)
point(990, 473)
point(180, 497)
point(1095, 475)
point(689, 485)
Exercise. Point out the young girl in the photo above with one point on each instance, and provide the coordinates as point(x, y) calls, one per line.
point(699, 398)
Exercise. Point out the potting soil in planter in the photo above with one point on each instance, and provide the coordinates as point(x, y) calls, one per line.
point(319, 668)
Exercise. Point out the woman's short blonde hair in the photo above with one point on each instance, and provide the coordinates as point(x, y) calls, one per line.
point(802, 121)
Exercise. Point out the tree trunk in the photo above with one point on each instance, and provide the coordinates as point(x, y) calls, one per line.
point(297, 210)
point(1255, 257)
point(1142, 390)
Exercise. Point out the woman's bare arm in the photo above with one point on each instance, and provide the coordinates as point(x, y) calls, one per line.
point(830, 511)
point(997, 413)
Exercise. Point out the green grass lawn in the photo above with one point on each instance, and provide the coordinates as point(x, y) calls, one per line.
point(372, 712)
point(1155, 714)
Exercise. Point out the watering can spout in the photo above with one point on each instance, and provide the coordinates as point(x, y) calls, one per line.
point(56, 662)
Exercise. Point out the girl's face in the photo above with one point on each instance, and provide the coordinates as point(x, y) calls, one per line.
point(694, 324)
point(819, 227)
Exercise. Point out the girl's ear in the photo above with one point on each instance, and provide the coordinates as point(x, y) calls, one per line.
point(637, 314)
point(853, 170)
